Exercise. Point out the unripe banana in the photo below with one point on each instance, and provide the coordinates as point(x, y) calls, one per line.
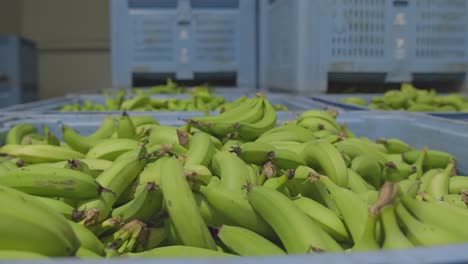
point(145, 205)
point(286, 159)
point(143, 120)
point(367, 241)
point(448, 217)
point(64, 209)
point(169, 135)
point(324, 156)
point(298, 233)
point(15, 134)
point(126, 128)
point(78, 142)
point(156, 236)
point(438, 185)
point(426, 178)
point(198, 174)
point(201, 150)
point(231, 169)
point(394, 146)
point(458, 184)
point(326, 218)
point(287, 133)
point(354, 147)
point(181, 206)
point(326, 116)
point(211, 216)
point(231, 143)
point(251, 131)
point(357, 184)
point(178, 252)
point(352, 208)
point(255, 152)
point(84, 253)
point(44, 153)
point(111, 149)
point(434, 158)
point(26, 224)
point(393, 237)
point(317, 124)
point(19, 255)
point(421, 234)
point(396, 172)
point(47, 181)
point(106, 129)
point(278, 183)
point(368, 168)
point(234, 206)
point(247, 243)
point(116, 178)
point(460, 200)
point(87, 239)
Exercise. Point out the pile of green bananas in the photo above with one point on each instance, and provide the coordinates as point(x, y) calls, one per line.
point(169, 88)
point(221, 186)
point(201, 100)
point(411, 99)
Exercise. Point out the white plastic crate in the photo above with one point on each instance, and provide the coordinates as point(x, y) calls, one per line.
point(305, 44)
point(183, 40)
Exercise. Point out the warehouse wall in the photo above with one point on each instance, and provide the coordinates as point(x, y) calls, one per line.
point(73, 42)
point(10, 17)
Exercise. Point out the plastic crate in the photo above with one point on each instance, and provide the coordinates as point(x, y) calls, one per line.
point(440, 37)
point(416, 129)
point(333, 100)
point(18, 71)
point(361, 41)
point(52, 106)
point(183, 39)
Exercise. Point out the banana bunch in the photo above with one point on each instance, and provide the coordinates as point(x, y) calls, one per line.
point(411, 99)
point(202, 99)
point(223, 186)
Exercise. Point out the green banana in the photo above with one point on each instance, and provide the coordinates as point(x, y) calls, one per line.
point(231, 169)
point(27, 224)
point(143, 120)
point(115, 178)
point(326, 218)
point(353, 210)
point(354, 147)
point(278, 183)
point(315, 124)
point(84, 253)
point(422, 234)
point(368, 168)
point(201, 150)
point(324, 156)
point(47, 181)
point(64, 209)
point(394, 146)
point(434, 158)
point(460, 200)
point(111, 149)
point(181, 206)
point(286, 159)
point(198, 174)
point(126, 128)
point(19, 255)
point(357, 184)
point(393, 236)
point(234, 206)
point(287, 133)
point(211, 216)
point(255, 152)
point(145, 205)
point(458, 184)
point(367, 240)
point(169, 135)
point(135, 102)
point(448, 217)
point(78, 142)
point(396, 172)
point(178, 252)
point(298, 233)
point(44, 153)
point(251, 131)
point(15, 134)
point(247, 243)
point(438, 185)
point(427, 177)
point(326, 116)
point(87, 239)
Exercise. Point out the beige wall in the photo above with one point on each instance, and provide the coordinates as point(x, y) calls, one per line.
point(73, 42)
point(10, 16)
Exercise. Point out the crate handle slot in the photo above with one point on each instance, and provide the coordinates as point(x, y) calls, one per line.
point(3, 78)
point(400, 3)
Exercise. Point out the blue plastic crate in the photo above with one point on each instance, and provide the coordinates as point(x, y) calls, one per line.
point(18, 71)
point(416, 129)
point(183, 39)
